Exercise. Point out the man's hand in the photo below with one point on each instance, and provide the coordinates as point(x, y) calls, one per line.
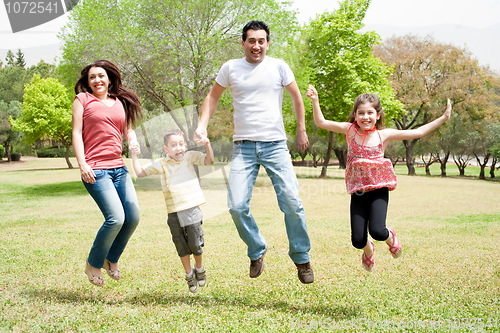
point(301, 141)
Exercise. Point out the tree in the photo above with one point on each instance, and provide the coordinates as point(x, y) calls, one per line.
point(426, 73)
point(343, 64)
point(169, 51)
point(46, 113)
point(8, 136)
point(20, 62)
point(12, 81)
point(10, 58)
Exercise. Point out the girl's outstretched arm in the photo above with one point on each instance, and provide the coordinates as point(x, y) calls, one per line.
point(319, 119)
point(394, 134)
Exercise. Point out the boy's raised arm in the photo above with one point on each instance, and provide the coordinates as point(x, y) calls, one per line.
point(137, 166)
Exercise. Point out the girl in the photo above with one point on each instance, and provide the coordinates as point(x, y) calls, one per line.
point(370, 176)
point(103, 110)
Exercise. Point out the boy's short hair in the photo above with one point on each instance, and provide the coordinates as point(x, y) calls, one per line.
point(167, 135)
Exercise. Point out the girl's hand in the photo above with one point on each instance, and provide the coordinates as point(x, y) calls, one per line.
point(447, 113)
point(312, 93)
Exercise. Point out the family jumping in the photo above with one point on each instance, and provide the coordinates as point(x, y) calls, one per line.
point(104, 109)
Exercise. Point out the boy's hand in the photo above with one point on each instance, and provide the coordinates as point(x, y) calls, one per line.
point(134, 147)
point(200, 136)
point(312, 93)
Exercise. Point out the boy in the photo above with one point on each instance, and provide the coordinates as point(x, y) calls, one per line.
point(183, 196)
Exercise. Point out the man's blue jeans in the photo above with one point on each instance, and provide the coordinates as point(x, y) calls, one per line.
point(247, 158)
point(114, 193)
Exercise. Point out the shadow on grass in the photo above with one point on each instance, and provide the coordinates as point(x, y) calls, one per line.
point(210, 300)
point(74, 188)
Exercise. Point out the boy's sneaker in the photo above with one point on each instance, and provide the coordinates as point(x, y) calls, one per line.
point(192, 283)
point(201, 277)
point(305, 273)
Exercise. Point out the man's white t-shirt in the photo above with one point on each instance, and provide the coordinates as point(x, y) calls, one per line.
point(257, 91)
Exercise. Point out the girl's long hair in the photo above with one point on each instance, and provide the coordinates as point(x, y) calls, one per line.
point(130, 100)
point(375, 102)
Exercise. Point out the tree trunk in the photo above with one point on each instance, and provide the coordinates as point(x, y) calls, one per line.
point(7, 152)
point(409, 158)
point(328, 155)
point(149, 153)
point(427, 169)
point(341, 156)
point(482, 165)
point(68, 162)
point(492, 168)
point(443, 163)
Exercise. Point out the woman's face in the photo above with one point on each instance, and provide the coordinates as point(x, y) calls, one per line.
point(98, 81)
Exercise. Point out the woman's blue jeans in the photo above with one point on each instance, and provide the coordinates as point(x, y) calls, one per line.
point(114, 193)
point(247, 158)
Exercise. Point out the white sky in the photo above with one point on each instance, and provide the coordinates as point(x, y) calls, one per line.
point(400, 13)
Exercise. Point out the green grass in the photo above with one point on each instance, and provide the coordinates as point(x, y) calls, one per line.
point(449, 271)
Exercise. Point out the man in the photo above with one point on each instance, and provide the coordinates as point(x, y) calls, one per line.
point(256, 83)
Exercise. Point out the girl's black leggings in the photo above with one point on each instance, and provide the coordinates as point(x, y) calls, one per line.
point(368, 212)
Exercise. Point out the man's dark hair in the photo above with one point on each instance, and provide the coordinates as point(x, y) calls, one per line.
point(255, 25)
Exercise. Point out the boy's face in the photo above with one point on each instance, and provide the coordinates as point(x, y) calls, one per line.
point(176, 147)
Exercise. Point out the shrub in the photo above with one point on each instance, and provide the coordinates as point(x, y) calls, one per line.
point(54, 152)
point(2, 152)
point(14, 157)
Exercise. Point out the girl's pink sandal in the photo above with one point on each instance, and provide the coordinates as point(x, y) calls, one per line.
point(368, 263)
point(396, 249)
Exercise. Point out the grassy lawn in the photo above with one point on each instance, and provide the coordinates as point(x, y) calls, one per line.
point(448, 278)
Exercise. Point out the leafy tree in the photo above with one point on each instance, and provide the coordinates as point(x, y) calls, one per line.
point(43, 69)
point(169, 51)
point(46, 113)
point(20, 62)
point(10, 58)
point(426, 73)
point(8, 136)
point(343, 64)
point(12, 81)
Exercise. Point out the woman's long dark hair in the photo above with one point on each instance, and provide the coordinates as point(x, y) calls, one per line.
point(129, 99)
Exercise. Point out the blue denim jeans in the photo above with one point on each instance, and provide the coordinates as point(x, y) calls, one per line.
point(247, 158)
point(114, 193)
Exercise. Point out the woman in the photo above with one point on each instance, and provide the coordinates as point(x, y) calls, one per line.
point(103, 110)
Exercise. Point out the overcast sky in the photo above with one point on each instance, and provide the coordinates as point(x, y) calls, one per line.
point(401, 13)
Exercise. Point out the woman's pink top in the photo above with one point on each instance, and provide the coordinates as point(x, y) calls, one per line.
point(367, 169)
point(102, 132)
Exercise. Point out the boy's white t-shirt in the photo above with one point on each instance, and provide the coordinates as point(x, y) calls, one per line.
point(257, 91)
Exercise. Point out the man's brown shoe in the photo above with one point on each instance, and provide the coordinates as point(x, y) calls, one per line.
point(305, 273)
point(257, 266)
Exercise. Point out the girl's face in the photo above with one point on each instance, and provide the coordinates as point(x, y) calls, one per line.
point(366, 116)
point(98, 81)
point(176, 147)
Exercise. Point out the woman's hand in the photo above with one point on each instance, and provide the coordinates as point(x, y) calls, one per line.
point(87, 173)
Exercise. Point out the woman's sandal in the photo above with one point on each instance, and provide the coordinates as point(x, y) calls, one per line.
point(115, 275)
point(95, 280)
point(368, 263)
point(396, 249)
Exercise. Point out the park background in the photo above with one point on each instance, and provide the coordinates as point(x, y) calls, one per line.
point(445, 208)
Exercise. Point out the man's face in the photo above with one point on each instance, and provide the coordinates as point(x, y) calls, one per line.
point(255, 46)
